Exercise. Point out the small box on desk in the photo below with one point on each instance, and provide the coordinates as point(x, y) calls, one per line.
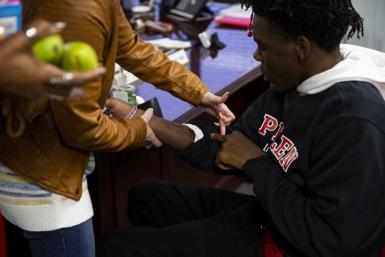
point(10, 16)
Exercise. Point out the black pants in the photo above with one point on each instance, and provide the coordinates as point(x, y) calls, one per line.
point(179, 220)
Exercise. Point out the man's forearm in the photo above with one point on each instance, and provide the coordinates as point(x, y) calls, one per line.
point(171, 133)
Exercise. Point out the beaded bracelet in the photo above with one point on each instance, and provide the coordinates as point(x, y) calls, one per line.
point(131, 113)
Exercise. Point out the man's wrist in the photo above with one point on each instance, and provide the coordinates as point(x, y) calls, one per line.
point(173, 134)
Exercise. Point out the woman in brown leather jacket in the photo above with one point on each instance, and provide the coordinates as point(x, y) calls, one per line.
point(47, 165)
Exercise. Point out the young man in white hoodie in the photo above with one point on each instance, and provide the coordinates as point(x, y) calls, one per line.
point(313, 145)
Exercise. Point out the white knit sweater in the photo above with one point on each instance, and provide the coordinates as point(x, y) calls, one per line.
point(33, 208)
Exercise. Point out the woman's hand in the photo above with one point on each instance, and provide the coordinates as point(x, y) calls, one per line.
point(150, 136)
point(217, 107)
point(120, 110)
point(22, 75)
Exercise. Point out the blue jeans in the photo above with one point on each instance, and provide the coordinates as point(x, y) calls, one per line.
point(76, 241)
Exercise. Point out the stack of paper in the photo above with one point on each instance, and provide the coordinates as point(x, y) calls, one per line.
point(234, 15)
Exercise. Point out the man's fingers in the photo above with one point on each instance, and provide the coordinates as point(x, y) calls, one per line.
point(147, 115)
point(222, 127)
point(217, 137)
point(221, 165)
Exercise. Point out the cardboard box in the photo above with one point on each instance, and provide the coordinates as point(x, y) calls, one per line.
point(10, 16)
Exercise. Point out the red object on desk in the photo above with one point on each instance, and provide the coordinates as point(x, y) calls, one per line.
point(234, 21)
point(3, 242)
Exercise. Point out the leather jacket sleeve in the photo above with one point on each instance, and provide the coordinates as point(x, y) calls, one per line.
point(154, 67)
point(82, 123)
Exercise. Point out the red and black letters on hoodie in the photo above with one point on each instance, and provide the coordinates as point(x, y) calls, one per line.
point(322, 182)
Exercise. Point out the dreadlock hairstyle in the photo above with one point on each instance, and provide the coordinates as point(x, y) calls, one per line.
point(323, 21)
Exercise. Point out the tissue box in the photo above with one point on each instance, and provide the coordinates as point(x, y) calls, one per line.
point(10, 16)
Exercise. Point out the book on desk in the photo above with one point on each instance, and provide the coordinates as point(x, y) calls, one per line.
point(234, 15)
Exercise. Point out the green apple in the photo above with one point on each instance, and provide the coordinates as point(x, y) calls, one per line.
point(78, 56)
point(49, 49)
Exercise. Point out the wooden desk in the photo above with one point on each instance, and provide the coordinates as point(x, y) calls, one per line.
point(233, 67)
point(234, 70)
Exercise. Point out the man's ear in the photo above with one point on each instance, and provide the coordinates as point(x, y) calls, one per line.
point(302, 48)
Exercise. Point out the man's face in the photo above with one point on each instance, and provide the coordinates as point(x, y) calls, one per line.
point(277, 56)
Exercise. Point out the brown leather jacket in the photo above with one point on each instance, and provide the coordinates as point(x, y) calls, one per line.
point(54, 150)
